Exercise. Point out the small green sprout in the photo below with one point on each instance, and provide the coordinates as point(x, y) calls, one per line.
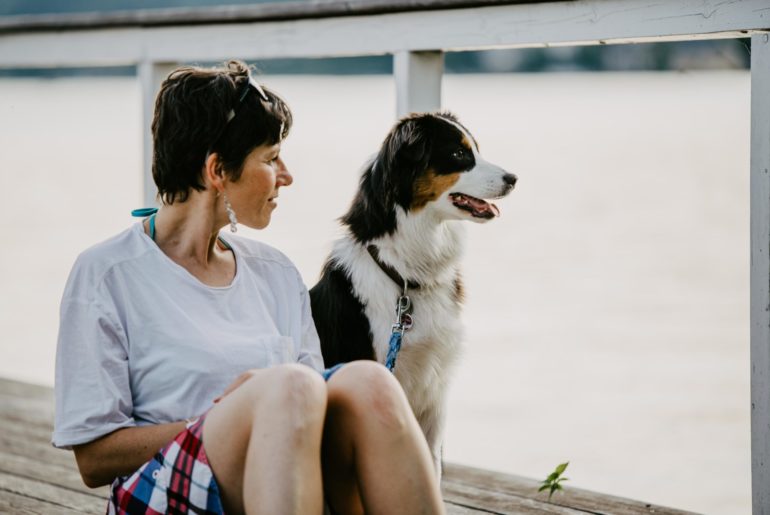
point(553, 481)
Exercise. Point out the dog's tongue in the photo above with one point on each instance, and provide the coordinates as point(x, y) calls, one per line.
point(478, 207)
point(483, 207)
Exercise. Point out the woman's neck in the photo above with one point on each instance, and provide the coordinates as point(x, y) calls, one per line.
point(187, 232)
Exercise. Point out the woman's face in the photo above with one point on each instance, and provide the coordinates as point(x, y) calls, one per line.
point(253, 196)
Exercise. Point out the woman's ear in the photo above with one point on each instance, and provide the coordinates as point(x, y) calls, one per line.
point(213, 175)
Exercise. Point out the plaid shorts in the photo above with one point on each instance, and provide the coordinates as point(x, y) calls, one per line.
point(177, 480)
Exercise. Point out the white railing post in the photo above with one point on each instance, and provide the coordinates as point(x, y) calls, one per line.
point(151, 74)
point(418, 81)
point(760, 273)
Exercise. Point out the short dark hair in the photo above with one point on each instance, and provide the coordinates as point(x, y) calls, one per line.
point(192, 118)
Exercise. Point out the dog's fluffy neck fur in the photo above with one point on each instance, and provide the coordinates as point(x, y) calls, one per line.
point(422, 249)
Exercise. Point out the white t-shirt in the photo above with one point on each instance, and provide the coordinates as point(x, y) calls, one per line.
point(142, 341)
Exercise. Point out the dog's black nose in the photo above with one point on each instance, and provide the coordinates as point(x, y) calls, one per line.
point(509, 178)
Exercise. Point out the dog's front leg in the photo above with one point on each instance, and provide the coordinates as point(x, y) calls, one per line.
point(433, 426)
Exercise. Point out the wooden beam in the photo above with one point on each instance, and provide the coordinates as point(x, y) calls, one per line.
point(523, 25)
point(760, 273)
point(151, 76)
point(418, 81)
point(269, 11)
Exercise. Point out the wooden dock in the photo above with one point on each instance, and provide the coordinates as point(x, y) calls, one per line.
point(37, 478)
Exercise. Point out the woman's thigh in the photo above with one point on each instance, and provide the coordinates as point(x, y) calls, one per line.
point(367, 410)
point(272, 403)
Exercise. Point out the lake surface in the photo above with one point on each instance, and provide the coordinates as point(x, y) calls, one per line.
point(607, 312)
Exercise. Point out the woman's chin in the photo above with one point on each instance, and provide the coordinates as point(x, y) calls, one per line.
point(257, 224)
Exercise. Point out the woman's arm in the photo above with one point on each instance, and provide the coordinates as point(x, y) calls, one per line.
point(122, 452)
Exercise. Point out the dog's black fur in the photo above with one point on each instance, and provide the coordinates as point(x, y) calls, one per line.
point(414, 145)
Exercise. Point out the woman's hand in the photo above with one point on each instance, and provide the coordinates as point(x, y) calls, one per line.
point(238, 382)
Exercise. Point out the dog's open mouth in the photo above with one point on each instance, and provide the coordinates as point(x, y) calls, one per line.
point(475, 206)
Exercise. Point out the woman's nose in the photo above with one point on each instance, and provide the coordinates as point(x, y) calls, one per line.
point(284, 176)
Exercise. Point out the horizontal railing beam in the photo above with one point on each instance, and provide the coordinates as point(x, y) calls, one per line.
point(497, 26)
point(270, 11)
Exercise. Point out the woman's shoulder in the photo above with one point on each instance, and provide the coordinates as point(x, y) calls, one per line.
point(256, 250)
point(93, 263)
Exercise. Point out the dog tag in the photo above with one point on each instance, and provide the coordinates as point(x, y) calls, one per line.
point(406, 321)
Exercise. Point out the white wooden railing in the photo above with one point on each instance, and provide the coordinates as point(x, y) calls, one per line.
point(417, 33)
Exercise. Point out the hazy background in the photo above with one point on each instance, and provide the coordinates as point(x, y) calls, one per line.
point(607, 307)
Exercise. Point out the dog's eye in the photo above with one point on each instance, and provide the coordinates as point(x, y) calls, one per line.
point(459, 153)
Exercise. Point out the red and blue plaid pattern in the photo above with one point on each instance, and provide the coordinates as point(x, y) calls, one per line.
point(177, 480)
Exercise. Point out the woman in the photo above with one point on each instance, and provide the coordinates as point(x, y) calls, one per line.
point(169, 321)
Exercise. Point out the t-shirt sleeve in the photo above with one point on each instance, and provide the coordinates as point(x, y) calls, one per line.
point(310, 347)
point(93, 394)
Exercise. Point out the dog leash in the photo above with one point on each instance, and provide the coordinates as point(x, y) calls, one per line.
point(403, 323)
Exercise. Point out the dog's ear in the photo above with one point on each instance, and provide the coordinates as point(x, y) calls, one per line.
point(408, 143)
point(388, 180)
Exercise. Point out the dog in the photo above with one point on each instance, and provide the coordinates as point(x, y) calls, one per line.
point(403, 236)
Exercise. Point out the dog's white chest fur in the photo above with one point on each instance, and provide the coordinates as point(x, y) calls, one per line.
point(430, 348)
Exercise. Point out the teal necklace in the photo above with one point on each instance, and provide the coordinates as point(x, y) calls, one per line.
point(152, 211)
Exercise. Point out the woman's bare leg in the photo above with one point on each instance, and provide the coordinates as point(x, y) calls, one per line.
point(263, 442)
point(375, 458)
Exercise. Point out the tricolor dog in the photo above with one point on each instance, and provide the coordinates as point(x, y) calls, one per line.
point(404, 236)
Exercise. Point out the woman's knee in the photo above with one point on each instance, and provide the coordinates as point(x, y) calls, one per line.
point(366, 388)
point(296, 388)
point(292, 394)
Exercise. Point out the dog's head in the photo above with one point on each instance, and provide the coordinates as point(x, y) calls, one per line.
point(428, 163)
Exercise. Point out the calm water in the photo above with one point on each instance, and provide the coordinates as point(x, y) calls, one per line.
point(607, 308)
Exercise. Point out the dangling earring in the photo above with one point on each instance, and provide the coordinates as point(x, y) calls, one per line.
point(230, 213)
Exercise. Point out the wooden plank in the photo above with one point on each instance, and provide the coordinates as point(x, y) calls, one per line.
point(418, 81)
point(65, 476)
point(39, 451)
point(18, 427)
point(571, 497)
point(58, 497)
point(526, 25)
point(22, 505)
point(26, 452)
point(457, 509)
point(32, 403)
point(503, 503)
point(271, 11)
point(760, 273)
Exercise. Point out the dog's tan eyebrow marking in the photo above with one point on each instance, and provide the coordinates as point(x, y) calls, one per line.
point(466, 143)
point(429, 186)
point(466, 135)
